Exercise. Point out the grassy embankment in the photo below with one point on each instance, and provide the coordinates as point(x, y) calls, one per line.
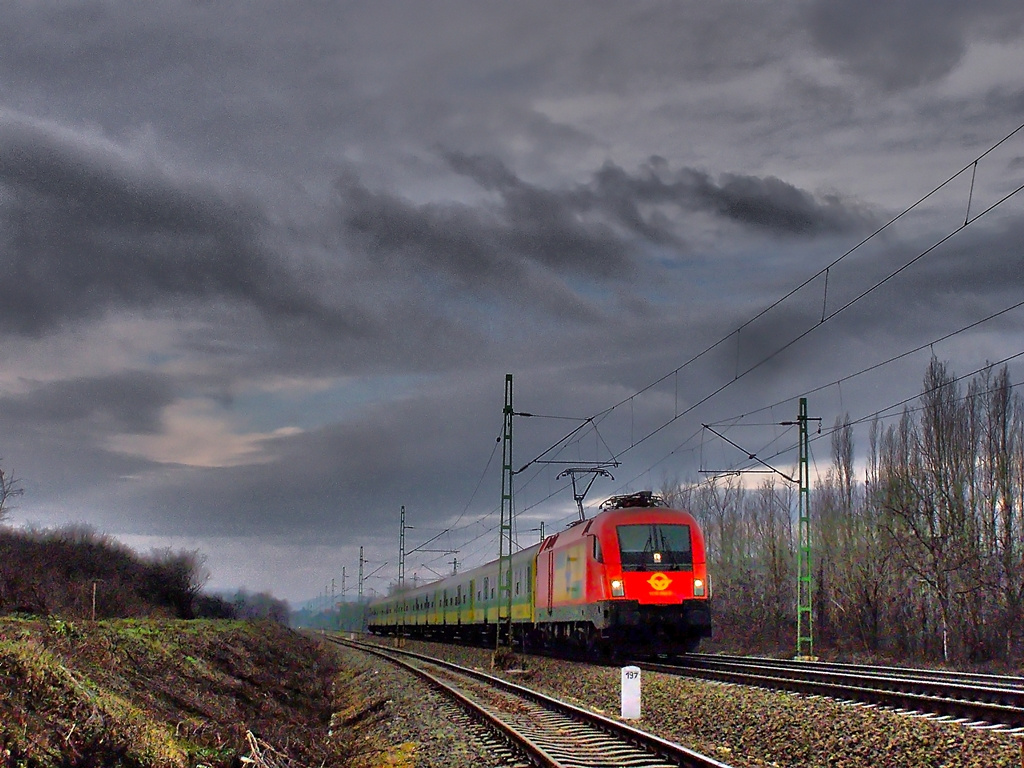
point(150, 693)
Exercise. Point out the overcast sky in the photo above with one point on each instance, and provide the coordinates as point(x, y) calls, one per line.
point(266, 264)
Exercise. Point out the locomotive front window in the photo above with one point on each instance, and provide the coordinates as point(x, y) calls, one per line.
point(655, 547)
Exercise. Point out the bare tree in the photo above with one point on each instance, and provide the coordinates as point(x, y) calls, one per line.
point(177, 578)
point(769, 532)
point(925, 557)
point(927, 477)
point(10, 488)
point(1002, 416)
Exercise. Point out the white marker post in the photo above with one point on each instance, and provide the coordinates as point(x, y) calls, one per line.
point(631, 693)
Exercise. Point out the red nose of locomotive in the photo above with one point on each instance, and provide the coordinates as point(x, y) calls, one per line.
point(657, 587)
point(656, 572)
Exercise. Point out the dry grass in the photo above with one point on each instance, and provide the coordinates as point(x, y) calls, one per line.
point(165, 693)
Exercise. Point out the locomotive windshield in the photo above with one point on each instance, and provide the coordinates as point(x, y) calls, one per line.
point(655, 547)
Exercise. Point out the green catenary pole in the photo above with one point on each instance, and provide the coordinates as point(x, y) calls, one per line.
point(804, 604)
point(362, 608)
point(506, 538)
point(401, 551)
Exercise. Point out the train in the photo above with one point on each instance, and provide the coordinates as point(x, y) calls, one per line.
point(632, 577)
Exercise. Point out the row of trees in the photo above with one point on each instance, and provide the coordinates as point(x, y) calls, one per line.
point(918, 545)
point(75, 572)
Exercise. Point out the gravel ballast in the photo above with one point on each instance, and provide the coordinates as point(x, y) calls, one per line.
point(399, 721)
point(737, 725)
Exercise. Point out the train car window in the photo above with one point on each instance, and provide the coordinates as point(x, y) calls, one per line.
point(655, 547)
point(598, 554)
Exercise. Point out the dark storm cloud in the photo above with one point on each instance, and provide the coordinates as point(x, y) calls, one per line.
point(767, 204)
point(126, 402)
point(904, 43)
point(89, 226)
point(61, 429)
point(591, 229)
point(195, 287)
point(477, 244)
point(528, 206)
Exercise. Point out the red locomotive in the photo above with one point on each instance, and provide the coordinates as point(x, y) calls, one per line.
point(633, 576)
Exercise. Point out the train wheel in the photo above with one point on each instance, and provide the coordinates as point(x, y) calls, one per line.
point(606, 651)
point(581, 641)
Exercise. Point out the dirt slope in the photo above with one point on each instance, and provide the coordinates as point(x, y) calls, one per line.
point(165, 693)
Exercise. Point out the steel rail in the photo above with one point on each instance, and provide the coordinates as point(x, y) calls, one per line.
point(657, 748)
point(519, 742)
point(1013, 683)
point(939, 695)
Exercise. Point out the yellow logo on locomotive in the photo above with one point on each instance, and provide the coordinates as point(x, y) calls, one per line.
point(659, 582)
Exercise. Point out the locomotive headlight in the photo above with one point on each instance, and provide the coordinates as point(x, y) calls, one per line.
point(617, 588)
point(698, 588)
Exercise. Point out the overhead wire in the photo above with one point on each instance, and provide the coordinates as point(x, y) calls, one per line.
point(826, 317)
point(814, 327)
point(828, 432)
point(823, 270)
point(872, 367)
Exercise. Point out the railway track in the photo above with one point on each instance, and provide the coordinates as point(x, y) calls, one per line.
point(984, 701)
point(542, 730)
